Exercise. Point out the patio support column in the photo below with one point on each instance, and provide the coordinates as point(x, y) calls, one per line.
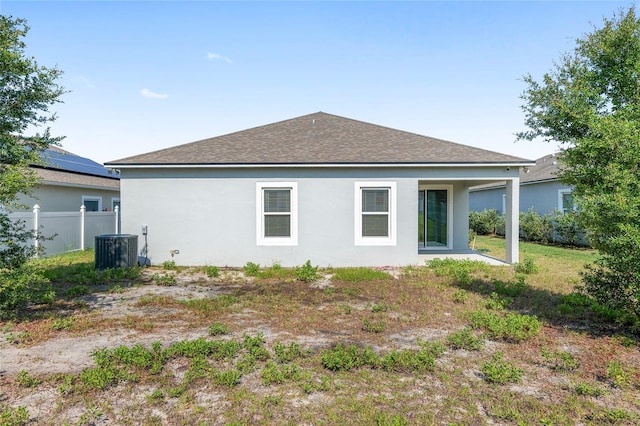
point(512, 220)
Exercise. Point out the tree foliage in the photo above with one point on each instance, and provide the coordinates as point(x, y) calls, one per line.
point(590, 103)
point(27, 91)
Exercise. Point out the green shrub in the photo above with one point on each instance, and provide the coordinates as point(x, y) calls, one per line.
point(20, 286)
point(212, 271)
point(251, 269)
point(534, 227)
point(307, 272)
point(510, 288)
point(484, 222)
point(360, 274)
point(499, 371)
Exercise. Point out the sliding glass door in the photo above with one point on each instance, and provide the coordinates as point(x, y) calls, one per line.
point(433, 218)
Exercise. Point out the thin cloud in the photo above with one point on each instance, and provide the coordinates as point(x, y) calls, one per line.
point(153, 95)
point(218, 57)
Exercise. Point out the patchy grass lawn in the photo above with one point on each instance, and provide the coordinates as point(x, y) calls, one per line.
point(452, 343)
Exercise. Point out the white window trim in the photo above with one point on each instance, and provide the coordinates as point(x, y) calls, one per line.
point(261, 240)
point(93, 198)
point(359, 240)
point(449, 189)
point(113, 201)
point(561, 192)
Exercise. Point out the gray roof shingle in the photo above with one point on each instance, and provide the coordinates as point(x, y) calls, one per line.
point(319, 138)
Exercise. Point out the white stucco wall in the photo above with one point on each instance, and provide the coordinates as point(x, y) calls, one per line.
point(54, 198)
point(542, 197)
point(209, 215)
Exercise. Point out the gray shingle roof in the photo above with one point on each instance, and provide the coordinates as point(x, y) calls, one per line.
point(319, 138)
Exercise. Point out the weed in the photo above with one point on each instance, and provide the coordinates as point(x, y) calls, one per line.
point(78, 290)
point(512, 328)
point(460, 296)
point(510, 288)
point(351, 291)
point(212, 271)
point(625, 341)
point(307, 272)
point(360, 274)
point(274, 373)
point(218, 329)
point(384, 419)
point(373, 326)
point(620, 376)
point(24, 379)
point(169, 265)
point(60, 324)
point(155, 397)
point(164, 279)
point(251, 269)
point(255, 346)
point(499, 371)
point(379, 308)
point(560, 361)
point(13, 416)
point(205, 306)
point(116, 289)
point(587, 389)
point(288, 353)
point(497, 303)
point(228, 378)
point(527, 266)
point(464, 339)
point(346, 357)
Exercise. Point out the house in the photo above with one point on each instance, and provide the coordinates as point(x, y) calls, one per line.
point(68, 181)
point(319, 187)
point(540, 190)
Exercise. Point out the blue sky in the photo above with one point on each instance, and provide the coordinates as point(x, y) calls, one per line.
point(146, 75)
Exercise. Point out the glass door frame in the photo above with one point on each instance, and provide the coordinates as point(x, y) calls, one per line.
point(430, 187)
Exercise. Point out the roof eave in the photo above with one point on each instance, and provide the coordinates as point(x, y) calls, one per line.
point(315, 165)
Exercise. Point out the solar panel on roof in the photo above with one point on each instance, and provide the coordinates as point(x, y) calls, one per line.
point(73, 163)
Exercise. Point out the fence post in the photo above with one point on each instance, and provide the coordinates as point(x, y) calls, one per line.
point(117, 208)
point(36, 240)
point(83, 209)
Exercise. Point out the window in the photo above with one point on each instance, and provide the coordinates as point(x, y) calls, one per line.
point(375, 209)
point(565, 201)
point(277, 213)
point(92, 204)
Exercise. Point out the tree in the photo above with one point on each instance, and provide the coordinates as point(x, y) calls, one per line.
point(590, 104)
point(27, 91)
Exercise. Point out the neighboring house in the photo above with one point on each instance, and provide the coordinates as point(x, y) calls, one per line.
point(540, 190)
point(68, 181)
point(319, 187)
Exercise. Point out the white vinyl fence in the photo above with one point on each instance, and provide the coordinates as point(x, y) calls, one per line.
point(70, 230)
